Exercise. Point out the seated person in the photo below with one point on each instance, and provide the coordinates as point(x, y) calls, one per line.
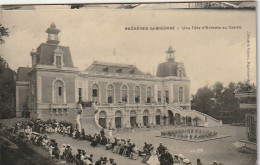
point(134, 152)
point(108, 145)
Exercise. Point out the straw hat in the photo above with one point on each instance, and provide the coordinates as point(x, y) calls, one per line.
point(181, 156)
point(186, 161)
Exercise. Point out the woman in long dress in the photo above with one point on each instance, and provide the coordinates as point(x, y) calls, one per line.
point(153, 160)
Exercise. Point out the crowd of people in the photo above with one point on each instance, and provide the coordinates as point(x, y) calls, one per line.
point(189, 133)
point(35, 132)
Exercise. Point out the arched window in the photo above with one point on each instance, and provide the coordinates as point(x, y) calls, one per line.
point(58, 92)
point(180, 94)
point(110, 93)
point(149, 94)
point(137, 94)
point(124, 94)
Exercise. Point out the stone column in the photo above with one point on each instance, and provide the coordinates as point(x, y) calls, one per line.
point(150, 119)
point(123, 121)
point(113, 122)
point(139, 117)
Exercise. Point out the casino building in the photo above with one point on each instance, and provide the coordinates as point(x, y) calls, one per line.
point(123, 94)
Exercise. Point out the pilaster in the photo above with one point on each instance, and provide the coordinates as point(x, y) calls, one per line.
point(39, 89)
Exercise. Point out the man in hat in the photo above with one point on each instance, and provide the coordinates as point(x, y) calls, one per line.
point(161, 149)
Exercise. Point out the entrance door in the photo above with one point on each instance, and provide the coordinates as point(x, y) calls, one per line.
point(158, 119)
point(118, 122)
point(171, 118)
point(145, 120)
point(132, 121)
point(102, 122)
point(188, 121)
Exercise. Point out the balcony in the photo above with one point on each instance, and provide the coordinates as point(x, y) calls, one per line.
point(58, 106)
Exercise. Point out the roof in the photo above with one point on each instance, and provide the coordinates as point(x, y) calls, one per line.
point(22, 74)
point(170, 68)
point(98, 66)
point(46, 52)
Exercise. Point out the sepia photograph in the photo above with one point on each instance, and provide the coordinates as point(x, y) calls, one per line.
point(128, 84)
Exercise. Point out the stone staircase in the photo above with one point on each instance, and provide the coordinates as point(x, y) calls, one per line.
point(88, 122)
point(206, 120)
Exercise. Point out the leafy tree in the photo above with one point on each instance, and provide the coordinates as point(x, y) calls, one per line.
point(220, 102)
point(7, 82)
point(3, 33)
point(203, 100)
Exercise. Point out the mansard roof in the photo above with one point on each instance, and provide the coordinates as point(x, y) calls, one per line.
point(22, 74)
point(98, 66)
point(170, 68)
point(46, 54)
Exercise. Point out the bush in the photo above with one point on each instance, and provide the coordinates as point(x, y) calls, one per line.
point(5, 111)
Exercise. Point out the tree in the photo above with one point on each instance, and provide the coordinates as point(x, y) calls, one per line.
point(7, 89)
point(7, 82)
point(221, 103)
point(217, 107)
point(3, 33)
point(203, 100)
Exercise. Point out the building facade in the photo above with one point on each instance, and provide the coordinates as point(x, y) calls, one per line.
point(124, 95)
point(248, 103)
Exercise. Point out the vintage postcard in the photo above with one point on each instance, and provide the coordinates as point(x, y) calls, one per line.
point(106, 84)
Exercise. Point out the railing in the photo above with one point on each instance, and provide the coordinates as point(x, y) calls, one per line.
point(194, 112)
point(57, 105)
point(122, 105)
point(203, 114)
point(96, 121)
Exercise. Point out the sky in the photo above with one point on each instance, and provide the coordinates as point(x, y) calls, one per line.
point(208, 55)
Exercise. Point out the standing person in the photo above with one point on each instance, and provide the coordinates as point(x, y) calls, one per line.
point(161, 149)
point(102, 132)
point(199, 162)
point(153, 159)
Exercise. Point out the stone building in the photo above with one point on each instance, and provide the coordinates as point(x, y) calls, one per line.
point(124, 95)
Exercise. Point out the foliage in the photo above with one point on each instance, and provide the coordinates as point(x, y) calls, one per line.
point(220, 102)
point(3, 33)
point(7, 82)
point(7, 88)
point(202, 100)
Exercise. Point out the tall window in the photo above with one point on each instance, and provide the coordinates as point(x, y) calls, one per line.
point(124, 94)
point(167, 96)
point(180, 73)
point(159, 96)
point(59, 93)
point(180, 94)
point(80, 94)
point(95, 90)
point(58, 61)
point(149, 94)
point(110, 93)
point(137, 94)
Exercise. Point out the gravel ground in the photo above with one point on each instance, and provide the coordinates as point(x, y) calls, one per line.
point(222, 150)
